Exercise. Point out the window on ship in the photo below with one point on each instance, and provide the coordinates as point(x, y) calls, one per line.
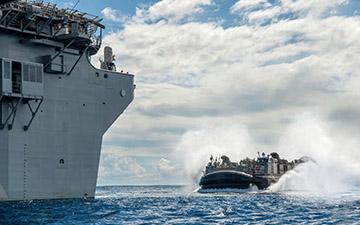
point(16, 77)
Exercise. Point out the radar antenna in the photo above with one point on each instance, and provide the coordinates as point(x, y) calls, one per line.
point(75, 5)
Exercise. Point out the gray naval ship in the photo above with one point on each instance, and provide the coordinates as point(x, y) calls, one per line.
point(54, 105)
point(260, 172)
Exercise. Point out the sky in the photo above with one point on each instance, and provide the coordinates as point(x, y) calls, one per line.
point(215, 73)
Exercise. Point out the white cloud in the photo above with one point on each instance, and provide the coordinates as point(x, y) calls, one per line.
point(113, 15)
point(192, 73)
point(314, 7)
point(261, 11)
point(201, 54)
point(172, 10)
point(247, 4)
point(202, 65)
point(121, 166)
point(167, 167)
point(114, 165)
point(265, 14)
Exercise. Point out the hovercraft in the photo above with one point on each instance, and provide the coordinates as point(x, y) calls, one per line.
point(260, 172)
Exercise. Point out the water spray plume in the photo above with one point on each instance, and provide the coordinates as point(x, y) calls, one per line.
point(337, 155)
point(197, 146)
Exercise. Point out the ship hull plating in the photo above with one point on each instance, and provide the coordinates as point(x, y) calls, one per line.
point(58, 156)
point(234, 180)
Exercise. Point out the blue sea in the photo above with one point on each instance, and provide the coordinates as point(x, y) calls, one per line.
point(180, 205)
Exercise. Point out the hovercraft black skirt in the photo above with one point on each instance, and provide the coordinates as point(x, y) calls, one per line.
point(232, 179)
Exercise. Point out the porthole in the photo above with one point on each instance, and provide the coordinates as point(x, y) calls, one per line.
point(106, 75)
point(61, 161)
point(122, 93)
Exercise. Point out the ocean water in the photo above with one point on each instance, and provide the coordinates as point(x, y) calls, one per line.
point(180, 205)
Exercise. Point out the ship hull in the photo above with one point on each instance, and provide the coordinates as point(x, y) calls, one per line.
point(58, 156)
point(234, 180)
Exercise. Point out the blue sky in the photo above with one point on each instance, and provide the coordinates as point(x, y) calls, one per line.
point(220, 9)
point(225, 77)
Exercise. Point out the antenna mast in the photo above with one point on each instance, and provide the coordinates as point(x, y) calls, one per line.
point(73, 8)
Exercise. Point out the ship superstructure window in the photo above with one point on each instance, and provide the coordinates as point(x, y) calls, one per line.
point(5, 81)
point(16, 77)
point(7, 70)
point(39, 74)
point(26, 72)
point(61, 161)
point(25, 78)
point(32, 73)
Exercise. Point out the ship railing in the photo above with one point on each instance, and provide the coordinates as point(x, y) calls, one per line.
point(42, 8)
point(83, 17)
point(48, 12)
point(96, 40)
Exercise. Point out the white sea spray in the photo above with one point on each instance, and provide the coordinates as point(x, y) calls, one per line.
point(197, 146)
point(335, 151)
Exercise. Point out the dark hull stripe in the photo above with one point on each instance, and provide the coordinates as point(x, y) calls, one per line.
point(230, 179)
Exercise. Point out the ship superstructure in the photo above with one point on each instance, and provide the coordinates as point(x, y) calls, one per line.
point(260, 172)
point(54, 105)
